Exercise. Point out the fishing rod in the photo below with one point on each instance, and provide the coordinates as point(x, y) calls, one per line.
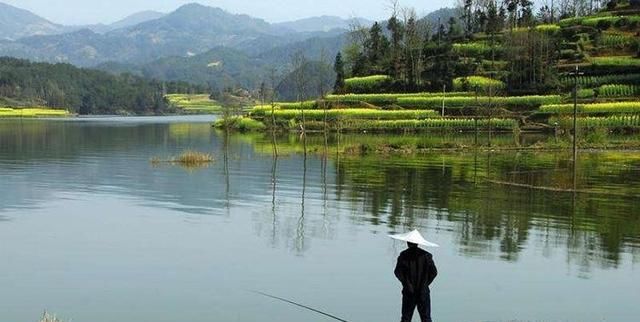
point(299, 305)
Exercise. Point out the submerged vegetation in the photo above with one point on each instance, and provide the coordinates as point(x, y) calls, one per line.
point(187, 159)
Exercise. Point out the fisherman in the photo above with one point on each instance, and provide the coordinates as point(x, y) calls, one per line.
point(416, 271)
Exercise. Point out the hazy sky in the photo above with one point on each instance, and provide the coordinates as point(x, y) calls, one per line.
point(107, 11)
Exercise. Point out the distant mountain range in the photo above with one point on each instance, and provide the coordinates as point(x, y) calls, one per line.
point(194, 43)
point(323, 23)
point(17, 23)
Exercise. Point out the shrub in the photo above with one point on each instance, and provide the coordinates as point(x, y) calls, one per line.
point(477, 82)
point(368, 84)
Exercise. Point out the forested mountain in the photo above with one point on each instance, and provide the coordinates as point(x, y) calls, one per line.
point(82, 91)
point(17, 23)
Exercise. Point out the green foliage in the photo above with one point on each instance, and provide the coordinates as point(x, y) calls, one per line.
point(548, 28)
point(586, 93)
point(475, 49)
point(602, 23)
point(624, 61)
point(368, 84)
point(611, 122)
point(616, 41)
point(481, 83)
point(596, 108)
point(618, 90)
point(343, 114)
point(527, 102)
point(595, 81)
point(296, 105)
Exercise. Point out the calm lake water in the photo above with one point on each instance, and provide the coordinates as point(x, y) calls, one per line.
point(90, 229)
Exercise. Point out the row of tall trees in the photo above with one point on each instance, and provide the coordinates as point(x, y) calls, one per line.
point(420, 55)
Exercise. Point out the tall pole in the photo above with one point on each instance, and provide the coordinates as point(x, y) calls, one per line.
point(444, 93)
point(575, 115)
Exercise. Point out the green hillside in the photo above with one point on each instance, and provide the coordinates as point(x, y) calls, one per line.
point(502, 69)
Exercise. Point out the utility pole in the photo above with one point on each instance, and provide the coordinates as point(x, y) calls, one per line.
point(575, 74)
point(444, 93)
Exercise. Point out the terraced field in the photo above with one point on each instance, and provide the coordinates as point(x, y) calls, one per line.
point(606, 48)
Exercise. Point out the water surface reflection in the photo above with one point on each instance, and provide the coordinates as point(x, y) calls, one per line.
point(308, 198)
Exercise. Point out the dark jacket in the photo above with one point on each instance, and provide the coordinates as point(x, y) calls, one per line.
point(415, 270)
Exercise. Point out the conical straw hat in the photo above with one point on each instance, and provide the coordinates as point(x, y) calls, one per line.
point(414, 237)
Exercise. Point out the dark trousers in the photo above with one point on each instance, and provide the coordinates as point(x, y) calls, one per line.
point(410, 301)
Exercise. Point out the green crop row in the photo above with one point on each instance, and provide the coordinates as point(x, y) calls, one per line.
point(595, 81)
point(548, 28)
point(617, 121)
point(296, 105)
point(477, 82)
point(616, 61)
point(461, 102)
point(601, 22)
point(443, 124)
point(474, 49)
point(618, 90)
point(597, 108)
point(616, 41)
point(386, 99)
point(366, 84)
point(343, 114)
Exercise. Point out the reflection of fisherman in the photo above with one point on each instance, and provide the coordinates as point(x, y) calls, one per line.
point(415, 270)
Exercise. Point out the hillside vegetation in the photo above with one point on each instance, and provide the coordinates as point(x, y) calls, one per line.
point(81, 91)
point(498, 66)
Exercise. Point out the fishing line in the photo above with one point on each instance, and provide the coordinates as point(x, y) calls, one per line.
point(299, 305)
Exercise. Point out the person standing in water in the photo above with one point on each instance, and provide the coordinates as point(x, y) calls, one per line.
point(416, 271)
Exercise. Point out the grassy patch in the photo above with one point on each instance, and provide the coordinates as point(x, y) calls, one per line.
point(32, 112)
